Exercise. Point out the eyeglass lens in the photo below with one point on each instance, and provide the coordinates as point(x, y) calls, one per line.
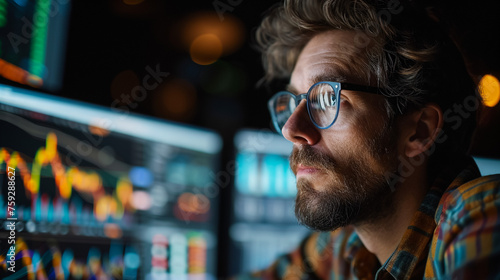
point(322, 106)
point(284, 106)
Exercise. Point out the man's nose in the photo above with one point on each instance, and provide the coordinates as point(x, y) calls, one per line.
point(299, 128)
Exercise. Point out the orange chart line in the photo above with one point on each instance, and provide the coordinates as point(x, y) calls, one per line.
point(67, 179)
point(19, 75)
point(54, 257)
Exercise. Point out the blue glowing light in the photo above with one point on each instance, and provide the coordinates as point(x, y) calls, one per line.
point(141, 176)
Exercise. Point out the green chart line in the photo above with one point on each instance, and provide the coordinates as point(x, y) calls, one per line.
point(3, 13)
point(39, 40)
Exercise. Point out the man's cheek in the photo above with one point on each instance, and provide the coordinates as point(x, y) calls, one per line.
point(344, 117)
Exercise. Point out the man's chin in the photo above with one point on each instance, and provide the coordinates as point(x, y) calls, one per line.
point(319, 222)
point(339, 206)
point(322, 211)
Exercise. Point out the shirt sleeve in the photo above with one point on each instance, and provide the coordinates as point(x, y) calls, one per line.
point(468, 245)
point(311, 260)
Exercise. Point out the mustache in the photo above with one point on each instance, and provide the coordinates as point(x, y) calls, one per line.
point(308, 156)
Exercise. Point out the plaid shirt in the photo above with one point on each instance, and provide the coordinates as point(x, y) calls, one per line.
point(455, 234)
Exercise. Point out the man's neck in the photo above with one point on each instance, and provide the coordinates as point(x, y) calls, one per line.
point(382, 237)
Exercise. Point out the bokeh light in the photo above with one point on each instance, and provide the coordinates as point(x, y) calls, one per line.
point(206, 49)
point(204, 30)
point(489, 88)
point(113, 231)
point(193, 203)
point(141, 200)
point(141, 176)
point(124, 191)
point(132, 260)
point(102, 208)
point(98, 130)
point(175, 100)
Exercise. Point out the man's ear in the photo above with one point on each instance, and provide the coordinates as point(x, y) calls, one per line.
point(422, 128)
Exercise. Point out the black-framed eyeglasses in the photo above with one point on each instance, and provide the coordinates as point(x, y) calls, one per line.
point(323, 99)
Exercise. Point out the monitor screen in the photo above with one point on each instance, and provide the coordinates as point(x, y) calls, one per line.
point(488, 166)
point(88, 191)
point(263, 202)
point(32, 42)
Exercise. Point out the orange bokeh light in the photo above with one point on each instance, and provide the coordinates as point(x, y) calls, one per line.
point(193, 203)
point(176, 100)
point(113, 231)
point(489, 88)
point(98, 130)
point(206, 30)
point(206, 49)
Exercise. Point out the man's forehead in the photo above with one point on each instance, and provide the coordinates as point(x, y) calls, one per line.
point(343, 41)
point(330, 56)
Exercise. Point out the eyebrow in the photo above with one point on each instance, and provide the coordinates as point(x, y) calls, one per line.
point(328, 77)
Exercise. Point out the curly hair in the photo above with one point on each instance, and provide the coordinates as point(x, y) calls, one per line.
point(409, 55)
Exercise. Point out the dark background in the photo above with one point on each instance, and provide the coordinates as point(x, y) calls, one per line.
point(110, 42)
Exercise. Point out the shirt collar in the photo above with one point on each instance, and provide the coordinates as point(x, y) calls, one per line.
point(409, 259)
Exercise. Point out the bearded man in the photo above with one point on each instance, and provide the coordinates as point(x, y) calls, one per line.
point(381, 111)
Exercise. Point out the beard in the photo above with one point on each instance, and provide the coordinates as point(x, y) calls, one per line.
point(353, 191)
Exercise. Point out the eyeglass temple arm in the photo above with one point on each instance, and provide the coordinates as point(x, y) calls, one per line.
point(376, 90)
point(369, 89)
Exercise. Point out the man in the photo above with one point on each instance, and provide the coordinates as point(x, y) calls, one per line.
point(381, 112)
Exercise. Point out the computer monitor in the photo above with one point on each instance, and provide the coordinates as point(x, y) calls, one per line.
point(90, 191)
point(263, 202)
point(33, 42)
